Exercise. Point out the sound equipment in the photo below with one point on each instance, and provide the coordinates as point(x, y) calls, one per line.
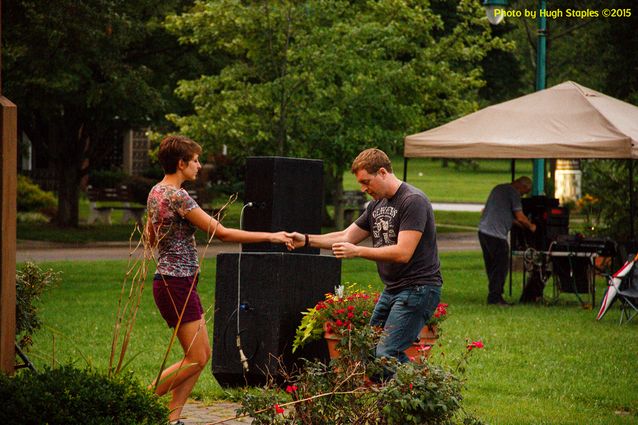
point(550, 219)
point(288, 195)
point(572, 273)
point(275, 289)
point(603, 247)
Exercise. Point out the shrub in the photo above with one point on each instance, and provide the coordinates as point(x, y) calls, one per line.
point(341, 392)
point(31, 281)
point(421, 394)
point(71, 396)
point(31, 198)
point(607, 180)
point(139, 187)
point(106, 178)
point(32, 218)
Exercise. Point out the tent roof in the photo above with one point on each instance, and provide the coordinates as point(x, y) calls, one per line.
point(564, 121)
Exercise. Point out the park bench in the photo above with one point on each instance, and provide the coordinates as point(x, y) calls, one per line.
point(203, 199)
point(354, 203)
point(102, 201)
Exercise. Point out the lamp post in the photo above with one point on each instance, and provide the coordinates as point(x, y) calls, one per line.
point(492, 8)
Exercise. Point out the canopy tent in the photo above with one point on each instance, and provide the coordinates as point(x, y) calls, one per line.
point(565, 121)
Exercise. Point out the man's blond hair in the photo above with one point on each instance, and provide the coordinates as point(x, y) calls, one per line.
point(371, 160)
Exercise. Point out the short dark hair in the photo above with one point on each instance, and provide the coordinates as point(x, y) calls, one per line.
point(371, 160)
point(175, 147)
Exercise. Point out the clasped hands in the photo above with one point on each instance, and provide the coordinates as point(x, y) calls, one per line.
point(339, 249)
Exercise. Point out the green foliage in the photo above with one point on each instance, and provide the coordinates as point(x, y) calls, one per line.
point(31, 198)
point(139, 187)
point(420, 395)
point(253, 405)
point(342, 393)
point(70, 396)
point(570, 42)
point(32, 218)
point(106, 178)
point(338, 313)
point(325, 79)
point(83, 73)
point(31, 282)
point(608, 181)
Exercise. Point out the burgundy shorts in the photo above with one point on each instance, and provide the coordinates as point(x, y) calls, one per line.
point(170, 294)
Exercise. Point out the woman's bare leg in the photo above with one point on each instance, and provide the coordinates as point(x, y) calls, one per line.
point(181, 377)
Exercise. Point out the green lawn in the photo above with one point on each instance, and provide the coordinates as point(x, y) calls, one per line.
point(440, 184)
point(452, 184)
point(541, 364)
point(447, 221)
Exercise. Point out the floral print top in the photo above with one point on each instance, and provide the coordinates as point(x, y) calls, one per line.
point(174, 235)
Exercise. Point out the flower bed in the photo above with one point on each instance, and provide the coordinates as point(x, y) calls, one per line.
point(340, 313)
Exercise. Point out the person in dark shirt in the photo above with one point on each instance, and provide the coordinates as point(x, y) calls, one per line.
point(502, 209)
point(400, 221)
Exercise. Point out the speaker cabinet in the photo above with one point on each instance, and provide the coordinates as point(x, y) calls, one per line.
point(551, 222)
point(275, 289)
point(288, 195)
point(573, 274)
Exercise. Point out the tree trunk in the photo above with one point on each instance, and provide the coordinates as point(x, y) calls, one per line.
point(68, 192)
point(68, 161)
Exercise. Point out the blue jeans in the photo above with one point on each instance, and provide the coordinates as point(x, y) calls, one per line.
point(402, 315)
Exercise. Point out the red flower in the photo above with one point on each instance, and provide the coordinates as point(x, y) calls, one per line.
point(350, 315)
point(411, 385)
point(350, 307)
point(279, 409)
point(475, 344)
point(339, 322)
point(424, 347)
point(291, 389)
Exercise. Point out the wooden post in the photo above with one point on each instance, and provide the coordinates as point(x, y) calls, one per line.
point(8, 183)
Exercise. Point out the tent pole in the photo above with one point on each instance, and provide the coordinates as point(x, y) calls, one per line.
point(405, 169)
point(513, 170)
point(632, 203)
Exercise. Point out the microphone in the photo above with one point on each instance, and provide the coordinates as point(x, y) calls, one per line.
point(249, 205)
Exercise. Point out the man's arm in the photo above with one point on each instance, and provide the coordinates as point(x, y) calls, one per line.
point(523, 221)
point(402, 252)
point(352, 234)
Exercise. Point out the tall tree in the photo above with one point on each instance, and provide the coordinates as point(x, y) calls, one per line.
point(596, 52)
point(83, 70)
point(329, 78)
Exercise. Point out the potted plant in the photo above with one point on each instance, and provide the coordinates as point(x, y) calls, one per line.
point(335, 317)
point(338, 313)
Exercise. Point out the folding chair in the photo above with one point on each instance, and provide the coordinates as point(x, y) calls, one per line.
point(623, 283)
point(628, 295)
